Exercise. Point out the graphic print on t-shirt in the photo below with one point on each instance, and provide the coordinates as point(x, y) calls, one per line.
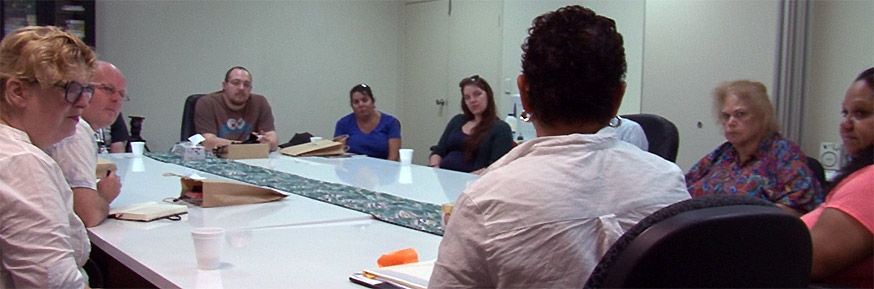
point(235, 127)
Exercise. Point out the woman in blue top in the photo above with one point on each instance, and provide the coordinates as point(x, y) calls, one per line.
point(477, 138)
point(372, 133)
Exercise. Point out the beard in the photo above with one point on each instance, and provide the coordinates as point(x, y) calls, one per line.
point(239, 98)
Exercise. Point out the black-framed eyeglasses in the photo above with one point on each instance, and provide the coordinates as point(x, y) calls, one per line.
point(109, 89)
point(74, 90)
point(474, 78)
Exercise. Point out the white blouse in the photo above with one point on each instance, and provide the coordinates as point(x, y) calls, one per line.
point(43, 243)
point(544, 214)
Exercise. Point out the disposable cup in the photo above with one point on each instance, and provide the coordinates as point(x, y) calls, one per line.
point(406, 156)
point(137, 148)
point(208, 243)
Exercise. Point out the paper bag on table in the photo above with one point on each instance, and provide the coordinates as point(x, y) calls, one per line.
point(104, 166)
point(243, 151)
point(323, 147)
point(215, 193)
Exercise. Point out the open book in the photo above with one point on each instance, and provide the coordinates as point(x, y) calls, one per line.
point(147, 211)
point(413, 275)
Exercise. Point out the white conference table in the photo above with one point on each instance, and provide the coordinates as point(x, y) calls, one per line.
point(296, 242)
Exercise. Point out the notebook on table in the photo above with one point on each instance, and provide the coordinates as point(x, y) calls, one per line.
point(148, 211)
point(413, 275)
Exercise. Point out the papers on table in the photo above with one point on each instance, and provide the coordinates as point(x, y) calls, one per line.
point(413, 275)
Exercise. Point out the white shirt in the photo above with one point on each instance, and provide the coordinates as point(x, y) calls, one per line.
point(631, 132)
point(544, 214)
point(42, 242)
point(77, 157)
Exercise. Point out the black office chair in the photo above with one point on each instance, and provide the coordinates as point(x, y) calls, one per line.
point(818, 171)
point(187, 129)
point(661, 133)
point(724, 241)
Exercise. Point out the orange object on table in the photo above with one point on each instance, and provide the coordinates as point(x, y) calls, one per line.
point(399, 257)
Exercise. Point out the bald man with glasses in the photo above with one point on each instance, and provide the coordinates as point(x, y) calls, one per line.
point(77, 154)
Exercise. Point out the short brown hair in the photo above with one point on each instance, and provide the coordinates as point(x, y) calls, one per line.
point(755, 94)
point(45, 55)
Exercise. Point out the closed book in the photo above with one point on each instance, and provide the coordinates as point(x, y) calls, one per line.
point(147, 211)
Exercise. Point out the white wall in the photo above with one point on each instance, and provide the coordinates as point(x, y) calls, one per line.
point(441, 47)
point(628, 15)
point(304, 56)
point(841, 46)
point(690, 47)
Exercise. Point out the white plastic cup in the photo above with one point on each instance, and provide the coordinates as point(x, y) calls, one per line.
point(208, 243)
point(406, 156)
point(137, 147)
point(315, 138)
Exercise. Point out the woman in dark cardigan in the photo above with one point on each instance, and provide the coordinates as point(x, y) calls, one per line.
point(477, 138)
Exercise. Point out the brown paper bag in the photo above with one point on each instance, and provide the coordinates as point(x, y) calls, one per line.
point(243, 151)
point(103, 167)
point(323, 147)
point(216, 193)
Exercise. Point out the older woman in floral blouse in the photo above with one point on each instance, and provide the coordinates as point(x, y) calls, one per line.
point(755, 160)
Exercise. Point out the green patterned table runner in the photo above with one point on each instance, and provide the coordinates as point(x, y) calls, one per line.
point(386, 207)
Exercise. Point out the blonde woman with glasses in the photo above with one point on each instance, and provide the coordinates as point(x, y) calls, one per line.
point(44, 77)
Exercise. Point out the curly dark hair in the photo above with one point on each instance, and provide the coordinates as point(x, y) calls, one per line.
point(574, 62)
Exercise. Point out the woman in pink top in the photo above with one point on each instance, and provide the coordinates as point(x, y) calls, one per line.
point(842, 228)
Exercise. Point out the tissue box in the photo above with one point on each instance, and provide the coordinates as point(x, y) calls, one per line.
point(192, 152)
point(103, 167)
point(244, 151)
